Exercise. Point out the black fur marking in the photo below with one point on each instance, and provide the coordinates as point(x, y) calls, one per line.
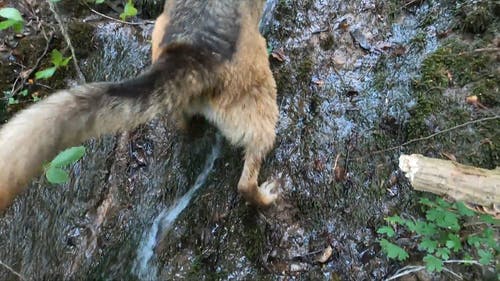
point(171, 68)
point(143, 85)
point(211, 25)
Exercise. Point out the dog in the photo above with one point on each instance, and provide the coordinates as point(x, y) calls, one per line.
point(208, 59)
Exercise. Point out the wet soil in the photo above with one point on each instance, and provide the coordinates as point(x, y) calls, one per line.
point(354, 79)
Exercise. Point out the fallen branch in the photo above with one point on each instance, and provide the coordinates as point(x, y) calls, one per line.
point(443, 177)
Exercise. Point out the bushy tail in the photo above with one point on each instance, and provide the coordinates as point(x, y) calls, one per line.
point(66, 118)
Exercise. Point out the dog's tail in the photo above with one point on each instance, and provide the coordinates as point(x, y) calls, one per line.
point(35, 135)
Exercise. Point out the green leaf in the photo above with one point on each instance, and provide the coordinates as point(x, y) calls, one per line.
point(387, 230)
point(24, 93)
point(46, 73)
point(99, 1)
point(474, 240)
point(393, 251)
point(426, 202)
point(443, 253)
point(35, 98)
point(56, 175)
point(66, 61)
point(395, 220)
point(6, 24)
point(453, 242)
point(489, 238)
point(428, 245)
point(485, 256)
point(443, 203)
point(68, 156)
point(13, 19)
point(450, 220)
point(412, 226)
point(56, 57)
point(489, 219)
point(443, 218)
point(432, 263)
point(129, 10)
point(13, 101)
point(11, 14)
point(16, 25)
point(433, 215)
point(463, 210)
point(424, 228)
point(269, 49)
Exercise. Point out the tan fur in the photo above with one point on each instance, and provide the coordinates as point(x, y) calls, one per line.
point(238, 96)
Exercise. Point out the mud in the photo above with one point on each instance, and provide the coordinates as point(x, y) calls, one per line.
point(352, 82)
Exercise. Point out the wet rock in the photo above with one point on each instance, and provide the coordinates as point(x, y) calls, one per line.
point(345, 72)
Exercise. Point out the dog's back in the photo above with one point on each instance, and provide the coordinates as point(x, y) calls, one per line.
point(208, 59)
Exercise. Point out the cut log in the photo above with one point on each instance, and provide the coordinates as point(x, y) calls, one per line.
point(461, 182)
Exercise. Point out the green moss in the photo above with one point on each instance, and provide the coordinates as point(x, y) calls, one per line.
point(475, 16)
point(419, 41)
point(327, 42)
point(305, 69)
point(253, 236)
point(284, 11)
point(454, 63)
point(453, 66)
point(381, 72)
point(488, 91)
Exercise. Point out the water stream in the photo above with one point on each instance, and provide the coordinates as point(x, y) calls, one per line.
point(145, 267)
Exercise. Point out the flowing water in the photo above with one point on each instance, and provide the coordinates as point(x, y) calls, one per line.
point(135, 208)
point(145, 267)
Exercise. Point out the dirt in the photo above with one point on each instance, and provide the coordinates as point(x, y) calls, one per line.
point(354, 78)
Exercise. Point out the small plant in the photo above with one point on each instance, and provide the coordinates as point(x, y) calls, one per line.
point(128, 11)
point(54, 171)
point(13, 19)
point(57, 60)
point(11, 98)
point(443, 235)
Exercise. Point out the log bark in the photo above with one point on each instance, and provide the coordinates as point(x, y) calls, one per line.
point(461, 182)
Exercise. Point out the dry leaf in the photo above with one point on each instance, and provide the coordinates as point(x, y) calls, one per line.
point(325, 256)
point(340, 173)
point(449, 156)
point(279, 55)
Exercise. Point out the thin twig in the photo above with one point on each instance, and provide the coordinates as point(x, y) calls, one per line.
point(405, 271)
point(64, 32)
point(481, 50)
point(118, 20)
point(410, 3)
point(464, 261)
point(435, 134)
point(456, 275)
point(12, 271)
point(413, 268)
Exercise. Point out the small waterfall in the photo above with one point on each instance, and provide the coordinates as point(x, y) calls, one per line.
point(145, 267)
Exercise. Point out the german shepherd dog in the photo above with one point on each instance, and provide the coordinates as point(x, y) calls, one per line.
point(209, 59)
